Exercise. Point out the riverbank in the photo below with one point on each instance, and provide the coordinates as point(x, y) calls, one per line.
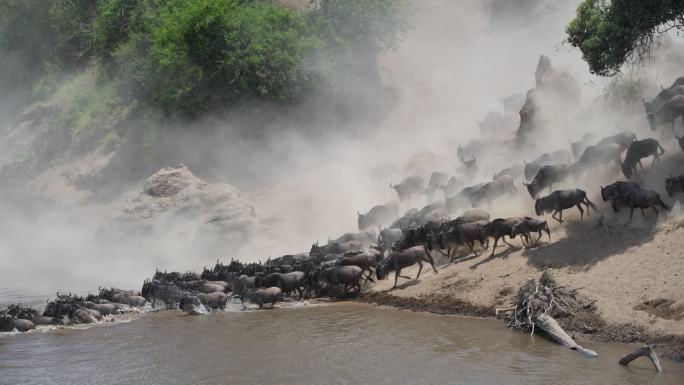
point(634, 275)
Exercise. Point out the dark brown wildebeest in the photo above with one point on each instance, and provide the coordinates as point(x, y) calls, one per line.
point(290, 282)
point(262, 296)
point(499, 229)
point(674, 185)
point(399, 260)
point(531, 225)
point(638, 150)
point(367, 260)
point(546, 177)
point(560, 200)
point(347, 276)
point(612, 191)
point(460, 234)
point(665, 108)
point(642, 199)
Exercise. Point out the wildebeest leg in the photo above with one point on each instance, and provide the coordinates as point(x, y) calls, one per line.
point(643, 214)
point(579, 207)
point(496, 239)
point(631, 212)
point(640, 165)
point(471, 244)
point(560, 220)
point(656, 210)
point(506, 242)
point(420, 268)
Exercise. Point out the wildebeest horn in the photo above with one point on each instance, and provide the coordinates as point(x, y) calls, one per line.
point(525, 184)
point(391, 185)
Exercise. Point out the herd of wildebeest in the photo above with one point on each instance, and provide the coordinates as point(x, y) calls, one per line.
point(339, 268)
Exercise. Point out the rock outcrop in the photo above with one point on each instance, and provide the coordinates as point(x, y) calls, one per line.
point(175, 203)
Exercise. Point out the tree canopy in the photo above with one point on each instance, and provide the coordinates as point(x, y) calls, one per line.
point(196, 56)
point(612, 33)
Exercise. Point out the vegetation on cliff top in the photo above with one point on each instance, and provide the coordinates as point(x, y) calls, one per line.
point(192, 57)
point(612, 33)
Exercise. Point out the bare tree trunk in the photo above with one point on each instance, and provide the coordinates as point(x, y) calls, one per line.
point(551, 327)
point(644, 351)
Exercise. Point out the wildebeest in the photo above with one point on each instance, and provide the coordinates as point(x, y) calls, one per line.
point(262, 296)
point(367, 260)
point(470, 165)
point(452, 187)
point(493, 190)
point(578, 147)
point(408, 187)
point(667, 113)
point(333, 247)
point(560, 200)
point(623, 139)
point(531, 169)
point(347, 276)
point(642, 199)
point(243, 283)
point(546, 177)
point(437, 180)
point(638, 150)
point(511, 172)
point(460, 234)
point(674, 185)
point(290, 282)
point(680, 141)
point(399, 260)
point(388, 237)
point(214, 300)
point(617, 189)
point(530, 225)
point(665, 95)
point(378, 216)
point(598, 155)
point(500, 228)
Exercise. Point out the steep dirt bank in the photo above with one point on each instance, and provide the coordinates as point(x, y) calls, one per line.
point(634, 274)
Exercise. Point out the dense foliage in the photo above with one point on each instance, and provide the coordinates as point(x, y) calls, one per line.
point(611, 33)
point(191, 57)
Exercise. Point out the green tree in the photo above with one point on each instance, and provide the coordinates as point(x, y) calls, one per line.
point(611, 33)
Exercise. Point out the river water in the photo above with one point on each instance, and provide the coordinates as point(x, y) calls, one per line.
point(344, 343)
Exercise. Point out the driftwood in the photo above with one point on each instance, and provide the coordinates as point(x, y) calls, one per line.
point(538, 304)
point(647, 351)
point(551, 327)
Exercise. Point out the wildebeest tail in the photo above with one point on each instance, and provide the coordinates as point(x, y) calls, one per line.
point(662, 150)
point(589, 203)
point(662, 204)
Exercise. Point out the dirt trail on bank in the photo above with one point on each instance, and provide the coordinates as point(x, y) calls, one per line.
point(635, 273)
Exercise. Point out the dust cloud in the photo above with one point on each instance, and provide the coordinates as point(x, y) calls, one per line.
point(458, 62)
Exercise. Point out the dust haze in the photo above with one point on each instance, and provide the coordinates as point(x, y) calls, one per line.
point(458, 61)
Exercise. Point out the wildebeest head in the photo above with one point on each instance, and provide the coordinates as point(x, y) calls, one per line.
point(532, 188)
point(380, 271)
point(6, 323)
point(674, 185)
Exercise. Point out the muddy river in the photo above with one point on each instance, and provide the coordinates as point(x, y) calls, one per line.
point(343, 343)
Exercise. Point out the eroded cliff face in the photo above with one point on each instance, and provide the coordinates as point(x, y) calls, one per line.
point(175, 204)
point(555, 96)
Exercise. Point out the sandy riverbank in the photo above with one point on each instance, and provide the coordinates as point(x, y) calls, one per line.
point(635, 273)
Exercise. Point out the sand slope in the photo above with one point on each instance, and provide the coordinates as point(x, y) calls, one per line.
point(619, 266)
